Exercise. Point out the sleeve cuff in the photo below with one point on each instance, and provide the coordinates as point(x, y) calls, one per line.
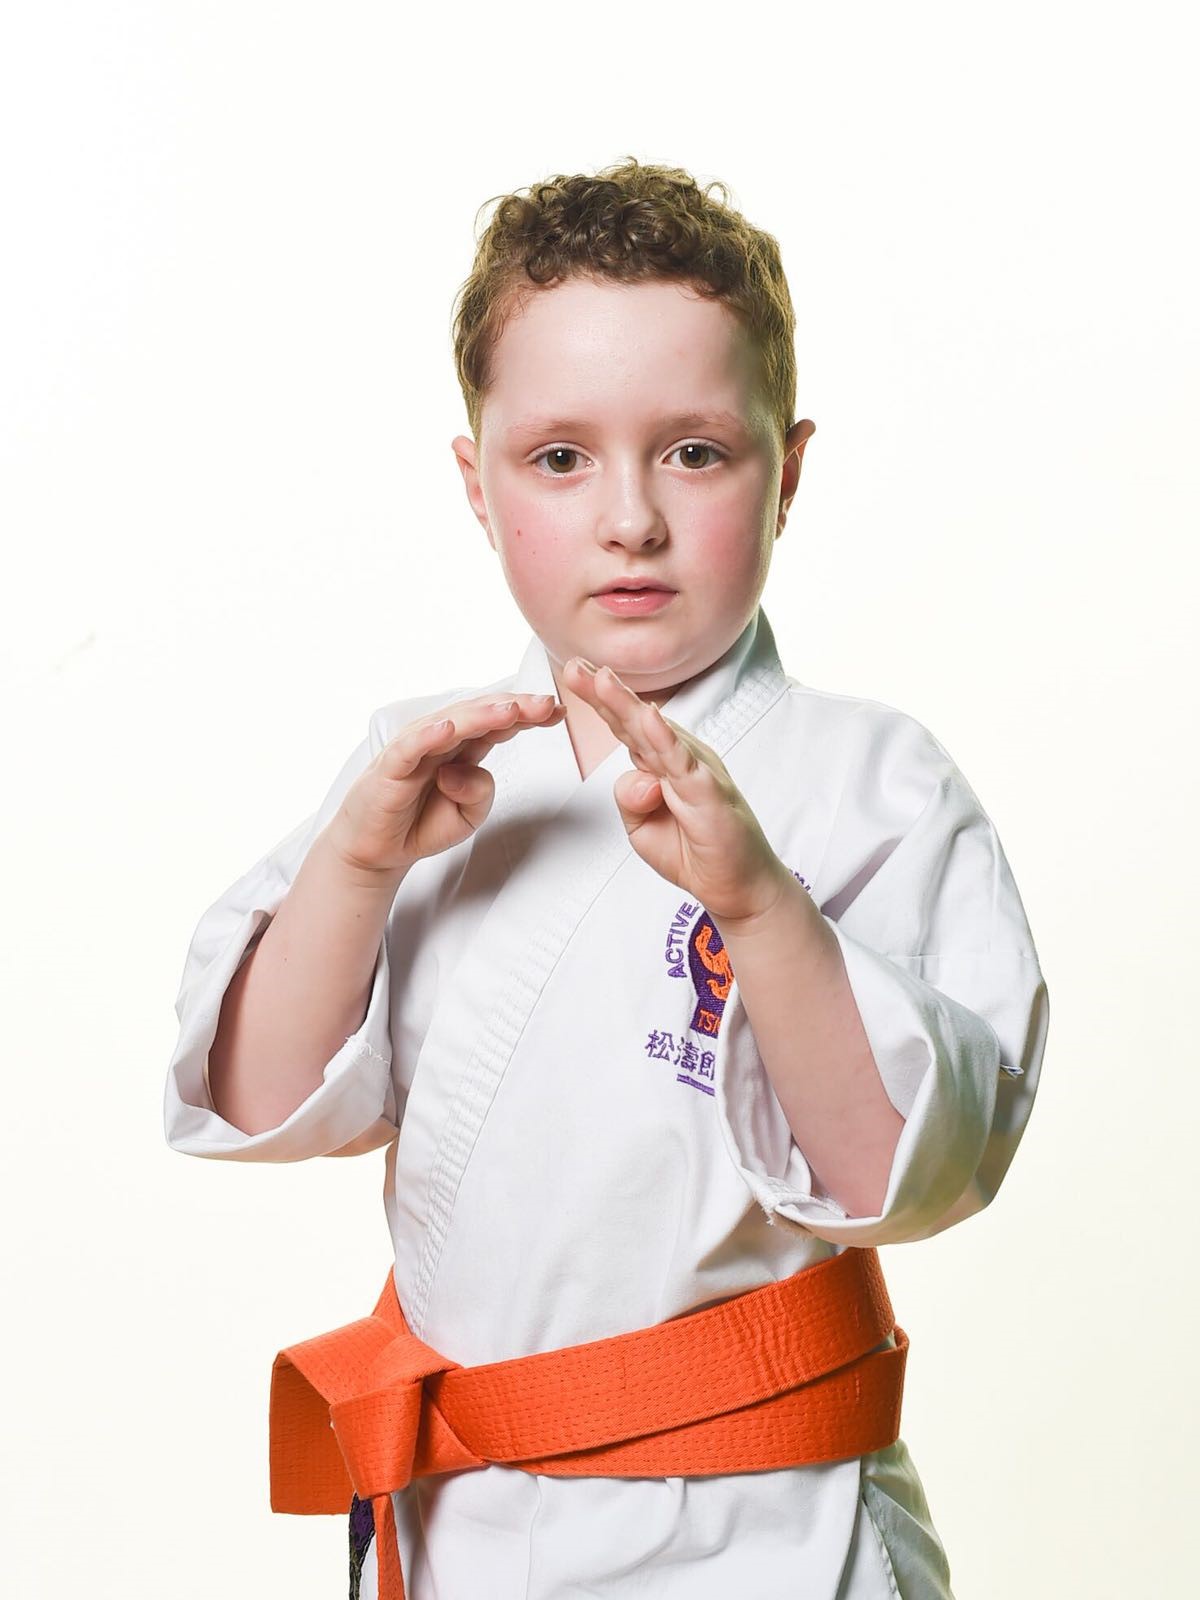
point(943, 1068)
point(355, 1092)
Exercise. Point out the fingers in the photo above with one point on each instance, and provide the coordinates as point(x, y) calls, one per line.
point(466, 730)
point(639, 791)
point(472, 789)
point(639, 724)
point(540, 714)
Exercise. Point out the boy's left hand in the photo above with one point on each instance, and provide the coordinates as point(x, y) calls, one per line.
point(684, 814)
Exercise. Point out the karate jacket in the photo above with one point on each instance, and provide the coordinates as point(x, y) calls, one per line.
point(581, 1137)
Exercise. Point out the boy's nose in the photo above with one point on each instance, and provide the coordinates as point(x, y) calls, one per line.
point(634, 523)
point(635, 546)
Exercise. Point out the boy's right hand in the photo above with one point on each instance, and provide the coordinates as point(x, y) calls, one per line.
point(425, 791)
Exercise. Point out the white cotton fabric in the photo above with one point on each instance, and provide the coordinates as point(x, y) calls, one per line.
point(572, 1152)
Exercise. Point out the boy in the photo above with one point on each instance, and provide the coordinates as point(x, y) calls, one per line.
point(653, 1009)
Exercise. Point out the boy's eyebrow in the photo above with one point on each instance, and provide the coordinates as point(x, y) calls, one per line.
point(543, 426)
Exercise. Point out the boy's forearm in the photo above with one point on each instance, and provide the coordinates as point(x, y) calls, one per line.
point(793, 983)
point(301, 992)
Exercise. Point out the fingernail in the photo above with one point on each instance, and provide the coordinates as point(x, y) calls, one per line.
point(586, 665)
point(543, 699)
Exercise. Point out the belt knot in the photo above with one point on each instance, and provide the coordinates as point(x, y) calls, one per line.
point(393, 1433)
point(351, 1412)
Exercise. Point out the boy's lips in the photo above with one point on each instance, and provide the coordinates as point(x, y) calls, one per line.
point(636, 584)
point(634, 602)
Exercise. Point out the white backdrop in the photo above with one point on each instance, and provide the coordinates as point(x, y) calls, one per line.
point(233, 526)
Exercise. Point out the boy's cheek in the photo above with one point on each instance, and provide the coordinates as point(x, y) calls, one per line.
point(725, 540)
point(532, 540)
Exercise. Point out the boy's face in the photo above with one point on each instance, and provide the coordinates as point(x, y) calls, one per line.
point(585, 474)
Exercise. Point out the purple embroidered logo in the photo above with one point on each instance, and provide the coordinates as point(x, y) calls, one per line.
point(695, 950)
point(710, 972)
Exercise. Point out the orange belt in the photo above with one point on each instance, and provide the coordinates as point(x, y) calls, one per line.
point(780, 1376)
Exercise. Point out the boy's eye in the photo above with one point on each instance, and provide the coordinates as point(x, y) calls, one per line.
point(712, 451)
point(554, 457)
point(557, 451)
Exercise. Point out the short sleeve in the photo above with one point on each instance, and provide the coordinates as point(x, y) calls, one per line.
point(943, 969)
point(357, 1092)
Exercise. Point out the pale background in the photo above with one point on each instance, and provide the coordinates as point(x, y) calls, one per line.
point(233, 527)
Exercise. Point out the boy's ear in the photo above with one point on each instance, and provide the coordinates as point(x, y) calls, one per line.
point(796, 438)
point(467, 455)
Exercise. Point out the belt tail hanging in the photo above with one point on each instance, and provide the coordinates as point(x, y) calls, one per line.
point(387, 1549)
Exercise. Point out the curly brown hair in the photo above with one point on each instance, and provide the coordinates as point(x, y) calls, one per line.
point(629, 223)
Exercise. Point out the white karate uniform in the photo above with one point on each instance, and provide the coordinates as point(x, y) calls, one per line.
point(588, 1141)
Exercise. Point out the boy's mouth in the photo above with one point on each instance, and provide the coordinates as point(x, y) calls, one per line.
point(634, 586)
point(646, 601)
